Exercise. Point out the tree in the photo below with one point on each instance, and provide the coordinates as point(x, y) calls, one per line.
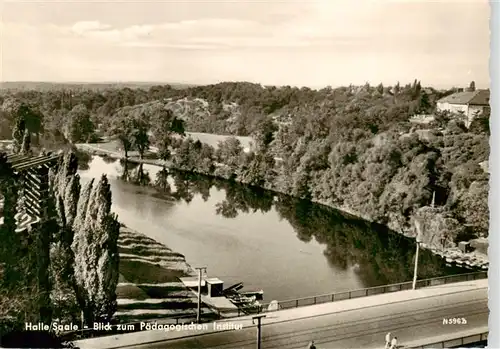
point(140, 138)
point(66, 191)
point(122, 127)
point(26, 144)
point(472, 86)
point(27, 121)
point(81, 209)
point(79, 126)
point(18, 133)
point(178, 126)
point(164, 125)
point(229, 152)
point(161, 181)
point(424, 103)
point(96, 255)
point(264, 133)
point(33, 120)
point(473, 206)
point(397, 89)
point(416, 88)
point(380, 88)
point(481, 123)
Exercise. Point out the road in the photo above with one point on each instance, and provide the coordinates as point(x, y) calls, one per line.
point(360, 328)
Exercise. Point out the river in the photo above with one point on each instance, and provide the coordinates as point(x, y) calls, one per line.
point(286, 247)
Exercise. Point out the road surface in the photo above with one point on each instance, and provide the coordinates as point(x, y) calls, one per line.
point(358, 328)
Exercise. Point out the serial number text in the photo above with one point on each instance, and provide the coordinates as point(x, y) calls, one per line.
point(454, 321)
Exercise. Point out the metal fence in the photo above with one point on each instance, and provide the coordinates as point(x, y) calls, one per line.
point(456, 343)
point(282, 305)
point(364, 292)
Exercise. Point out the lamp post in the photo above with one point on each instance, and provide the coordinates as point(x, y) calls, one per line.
point(259, 324)
point(417, 240)
point(198, 313)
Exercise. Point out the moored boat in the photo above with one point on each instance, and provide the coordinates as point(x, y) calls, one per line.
point(259, 295)
point(243, 300)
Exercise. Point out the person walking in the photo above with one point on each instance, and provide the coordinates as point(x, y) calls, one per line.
point(394, 343)
point(387, 340)
point(311, 345)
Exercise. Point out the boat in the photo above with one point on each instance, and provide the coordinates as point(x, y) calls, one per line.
point(233, 288)
point(259, 295)
point(242, 300)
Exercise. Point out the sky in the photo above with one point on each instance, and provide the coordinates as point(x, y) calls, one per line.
point(311, 43)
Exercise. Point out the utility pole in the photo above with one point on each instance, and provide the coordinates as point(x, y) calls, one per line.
point(259, 324)
point(198, 314)
point(418, 240)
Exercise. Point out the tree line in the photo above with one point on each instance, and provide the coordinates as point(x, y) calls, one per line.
point(350, 147)
point(234, 108)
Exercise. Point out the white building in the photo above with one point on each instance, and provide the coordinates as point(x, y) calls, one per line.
point(471, 104)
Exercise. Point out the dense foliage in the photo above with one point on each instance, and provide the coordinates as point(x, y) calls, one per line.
point(350, 147)
point(65, 264)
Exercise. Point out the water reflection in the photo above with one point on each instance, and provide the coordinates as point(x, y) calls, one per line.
point(378, 255)
point(84, 159)
point(247, 234)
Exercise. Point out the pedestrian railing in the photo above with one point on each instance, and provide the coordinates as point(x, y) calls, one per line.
point(364, 292)
point(281, 305)
point(456, 343)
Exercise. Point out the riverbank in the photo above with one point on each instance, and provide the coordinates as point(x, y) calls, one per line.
point(149, 285)
point(110, 149)
point(476, 258)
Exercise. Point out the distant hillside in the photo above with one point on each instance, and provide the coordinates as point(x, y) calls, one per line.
point(50, 86)
point(199, 114)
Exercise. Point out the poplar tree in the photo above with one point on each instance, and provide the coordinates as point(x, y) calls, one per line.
point(70, 201)
point(68, 186)
point(18, 134)
point(66, 190)
point(26, 143)
point(81, 209)
point(96, 253)
point(78, 245)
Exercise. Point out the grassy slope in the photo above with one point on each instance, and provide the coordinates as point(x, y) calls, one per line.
point(213, 140)
point(148, 285)
point(113, 149)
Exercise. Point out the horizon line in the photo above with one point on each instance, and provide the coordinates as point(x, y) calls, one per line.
point(191, 84)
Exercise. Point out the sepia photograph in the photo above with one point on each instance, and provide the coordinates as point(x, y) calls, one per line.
point(244, 174)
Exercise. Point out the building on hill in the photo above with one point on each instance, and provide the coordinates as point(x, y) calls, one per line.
point(470, 103)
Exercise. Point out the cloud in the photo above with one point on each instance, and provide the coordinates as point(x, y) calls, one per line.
point(105, 32)
point(223, 34)
point(84, 27)
point(320, 42)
